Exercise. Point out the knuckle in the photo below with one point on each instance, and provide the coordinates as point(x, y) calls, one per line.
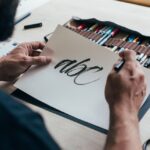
point(130, 64)
point(21, 45)
point(39, 59)
point(131, 67)
point(23, 60)
point(130, 53)
point(141, 76)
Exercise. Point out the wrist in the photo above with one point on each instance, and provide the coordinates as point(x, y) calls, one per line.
point(122, 116)
point(123, 130)
point(125, 105)
point(123, 110)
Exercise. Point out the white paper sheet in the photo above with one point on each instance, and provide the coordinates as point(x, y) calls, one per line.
point(57, 89)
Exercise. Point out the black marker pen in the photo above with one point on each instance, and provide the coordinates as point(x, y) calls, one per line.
point(118, 67)
point(31, 26)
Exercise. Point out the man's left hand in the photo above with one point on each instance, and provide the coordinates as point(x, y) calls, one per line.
point(20, 59)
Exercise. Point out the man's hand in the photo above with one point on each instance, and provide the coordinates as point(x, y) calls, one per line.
point(20, 59)
point(127, 87)
point(125, 91)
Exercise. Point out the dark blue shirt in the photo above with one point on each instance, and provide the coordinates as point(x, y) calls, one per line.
point(21, 128)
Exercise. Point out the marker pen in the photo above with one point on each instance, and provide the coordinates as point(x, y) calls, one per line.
point(143, 60)
point(75, 29)
point(129, 39)
point(100, 33)
point(112, 34)
point(137, 48)
point(147, 45)
point(120, 43)
point(119, 65)
point(31, 26)
point(83, 31)
point(147, 51)
point(116, 43)
point(131, 42)
point(109, 42)
point(104, 35)
point(147, 63)
point(140, 50)
point(80, 28)
point(22, 18)
point(91, 30)
point(133, 45)
point(95, 33)
point(141, 53)
point(103, 30)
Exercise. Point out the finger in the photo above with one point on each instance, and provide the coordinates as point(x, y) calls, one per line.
point(37, 45)
point(28, 48)
point(128, 55)
point(38, 60)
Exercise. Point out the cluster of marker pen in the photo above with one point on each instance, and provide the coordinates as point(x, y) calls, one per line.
point(115, 38)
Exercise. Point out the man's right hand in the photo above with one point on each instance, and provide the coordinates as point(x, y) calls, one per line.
point(127, 87)
point(125, 91)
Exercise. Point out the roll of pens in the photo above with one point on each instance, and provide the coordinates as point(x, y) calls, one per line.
point(114, 38)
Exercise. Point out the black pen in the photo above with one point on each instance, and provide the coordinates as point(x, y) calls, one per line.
point(118, 66)
point(31, 26)
point(22, 18)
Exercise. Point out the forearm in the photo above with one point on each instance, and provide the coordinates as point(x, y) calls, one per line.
point(124, 131)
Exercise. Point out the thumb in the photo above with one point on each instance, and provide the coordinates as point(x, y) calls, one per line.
point(39, 60)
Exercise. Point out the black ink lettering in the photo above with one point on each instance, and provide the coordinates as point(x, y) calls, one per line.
point(78, 64)
point(65, 63)
point(81, 69)
point(73, 69)
point(97, 68)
